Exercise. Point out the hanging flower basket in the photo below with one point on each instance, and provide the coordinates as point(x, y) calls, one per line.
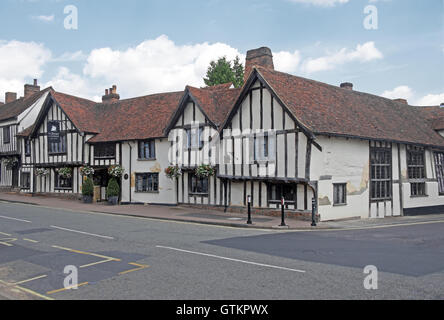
point(41, 172)
point(173, 172)
point(87, 171)
point(10, 163)
point(65, 173)
point(115, 171)
point(205, 171)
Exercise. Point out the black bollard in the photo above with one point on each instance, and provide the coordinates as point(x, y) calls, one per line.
point(249, 211)
point(313, 212)
point(283, 212)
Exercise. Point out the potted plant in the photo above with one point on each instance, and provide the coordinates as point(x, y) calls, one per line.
point(205, 171)
point(113, 192)
point(173, 172)
point(88, 190)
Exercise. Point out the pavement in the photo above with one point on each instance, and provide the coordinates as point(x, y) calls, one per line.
point(174, 213)
point(127, 257)
point(211, 217)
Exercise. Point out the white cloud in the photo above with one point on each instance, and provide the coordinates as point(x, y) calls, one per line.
point(71, 56)
point(155, 65)
point(431, 100)
point(401, 92)
point(43, 18)
point(287, 61)
point(321, 3)
point(74, 84)
point(363, 53)
point(20, 61)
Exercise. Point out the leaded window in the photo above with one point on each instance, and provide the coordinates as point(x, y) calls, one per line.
point(147, 182)
point(439, 165)
point(380, 173)
point(6, 135)
point(416, 170)
point(198, 185)
point(339, 194)
point(62, 182)
point(147, 150)
point(105, 151)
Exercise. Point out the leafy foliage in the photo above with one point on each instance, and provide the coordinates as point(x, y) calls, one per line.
point(113, 189)
point(88, 187)
point(204, 171)
point(173, 172)
point(224, 71)
point(115, 171)
point(65, 172)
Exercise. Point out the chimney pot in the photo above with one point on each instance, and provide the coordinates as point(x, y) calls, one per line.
point(10, 97)
point(111, 95)
point(262, 57)
point(31, 89)
point(347, 85)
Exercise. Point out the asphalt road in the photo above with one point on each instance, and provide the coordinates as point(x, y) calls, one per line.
point(135, 258)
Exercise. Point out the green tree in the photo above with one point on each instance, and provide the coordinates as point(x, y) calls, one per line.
point(224, 71)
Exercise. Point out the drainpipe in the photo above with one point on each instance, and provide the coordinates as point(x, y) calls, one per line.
point(401, 196)
point(130, 162)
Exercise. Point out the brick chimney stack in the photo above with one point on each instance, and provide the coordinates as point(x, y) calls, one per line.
point(111, 95)
point(404, 101)
point(31, 89)
point(347, 86)
point(258, 57)
point(10, 97)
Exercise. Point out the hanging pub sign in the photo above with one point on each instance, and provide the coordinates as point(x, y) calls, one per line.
point(53, 131)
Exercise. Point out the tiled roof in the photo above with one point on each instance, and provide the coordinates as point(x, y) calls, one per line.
point(80, 111)
point(216, 101)
point(327, 109)
point(135, 119)
point(434, 115)
point(15, 108)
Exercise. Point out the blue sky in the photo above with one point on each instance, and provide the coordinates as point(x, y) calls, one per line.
point(150, 46)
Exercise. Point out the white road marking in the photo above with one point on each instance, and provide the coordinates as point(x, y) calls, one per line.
point(231, 259)
point(21, 220)
point(82, 232)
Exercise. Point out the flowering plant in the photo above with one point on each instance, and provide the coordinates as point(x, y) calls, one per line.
point(65, 172)
point(10, 162)
point(115, 171)
point(173, 172)
point(86, 171)
point(41, 172)
point(204, 171)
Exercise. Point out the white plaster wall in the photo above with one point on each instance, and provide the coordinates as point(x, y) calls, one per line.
point(29, 116)
point(342, 161)
point(167, 187)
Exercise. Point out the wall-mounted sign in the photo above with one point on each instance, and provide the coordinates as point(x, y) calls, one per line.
point(53, 131)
